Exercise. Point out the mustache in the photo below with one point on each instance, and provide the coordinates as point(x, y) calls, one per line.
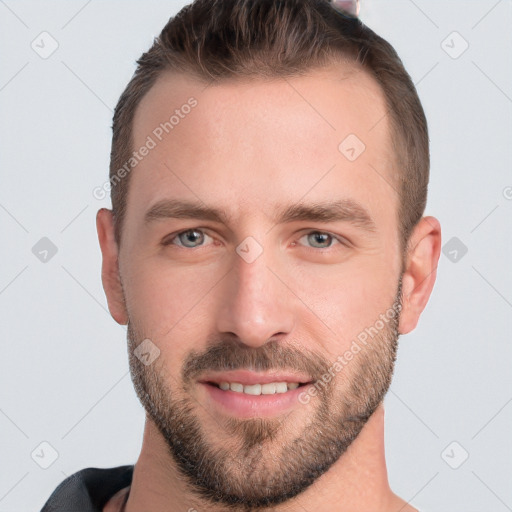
point(231, 354)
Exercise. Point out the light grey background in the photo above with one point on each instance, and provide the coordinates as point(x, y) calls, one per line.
point(64, 375)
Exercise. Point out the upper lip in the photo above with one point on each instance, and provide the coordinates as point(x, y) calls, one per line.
point(247, 377)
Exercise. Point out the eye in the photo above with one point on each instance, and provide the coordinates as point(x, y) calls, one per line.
point(322, 239)
point(189, 239)
point(192, 238)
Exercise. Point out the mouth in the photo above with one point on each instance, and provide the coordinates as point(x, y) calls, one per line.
point(268, 388)
point(244, 393)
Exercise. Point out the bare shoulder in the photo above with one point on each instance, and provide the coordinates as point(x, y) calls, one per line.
point(408, 508)
point(399, 505)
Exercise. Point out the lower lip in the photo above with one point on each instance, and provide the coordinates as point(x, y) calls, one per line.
point(249, 406)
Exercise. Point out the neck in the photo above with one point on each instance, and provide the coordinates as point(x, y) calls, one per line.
point(357, 481)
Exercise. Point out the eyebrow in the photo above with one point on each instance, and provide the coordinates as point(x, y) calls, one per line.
point(343, 210)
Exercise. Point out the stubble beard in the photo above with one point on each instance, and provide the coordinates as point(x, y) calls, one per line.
point(265, 462)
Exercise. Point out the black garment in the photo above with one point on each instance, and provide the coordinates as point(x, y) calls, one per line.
point(88, 490)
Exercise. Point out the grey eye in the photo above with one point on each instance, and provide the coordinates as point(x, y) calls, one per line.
point(190, 238)
point(319, 239)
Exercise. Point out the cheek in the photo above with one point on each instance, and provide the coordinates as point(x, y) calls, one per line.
point(348, 298)
point(168, 300)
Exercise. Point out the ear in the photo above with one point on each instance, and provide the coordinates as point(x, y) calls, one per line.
point(420, 271)
point(110, 276)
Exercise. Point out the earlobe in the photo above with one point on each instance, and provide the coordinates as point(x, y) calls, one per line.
point(420, 271)
point(110, 276)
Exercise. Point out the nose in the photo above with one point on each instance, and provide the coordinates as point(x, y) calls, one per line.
point(255, 305)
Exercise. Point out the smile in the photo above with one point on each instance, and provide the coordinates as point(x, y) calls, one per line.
point(269, 388)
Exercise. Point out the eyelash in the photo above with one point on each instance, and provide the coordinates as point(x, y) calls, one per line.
point(342, 241)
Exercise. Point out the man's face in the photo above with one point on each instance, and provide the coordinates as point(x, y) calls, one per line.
point(257, 290)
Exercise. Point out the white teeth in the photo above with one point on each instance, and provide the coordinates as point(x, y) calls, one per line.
point(254, 389)
point(281, 387)
point(259, 389)
point(268, 389)
point(236, 387)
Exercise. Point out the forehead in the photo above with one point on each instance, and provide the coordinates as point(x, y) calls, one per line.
point(253, 144)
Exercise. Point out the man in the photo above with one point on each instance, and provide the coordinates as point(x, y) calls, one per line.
point(266, 247)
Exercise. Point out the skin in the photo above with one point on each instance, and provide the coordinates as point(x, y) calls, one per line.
point(249, 148)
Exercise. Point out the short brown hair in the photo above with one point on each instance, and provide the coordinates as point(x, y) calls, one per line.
point(228, 39)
